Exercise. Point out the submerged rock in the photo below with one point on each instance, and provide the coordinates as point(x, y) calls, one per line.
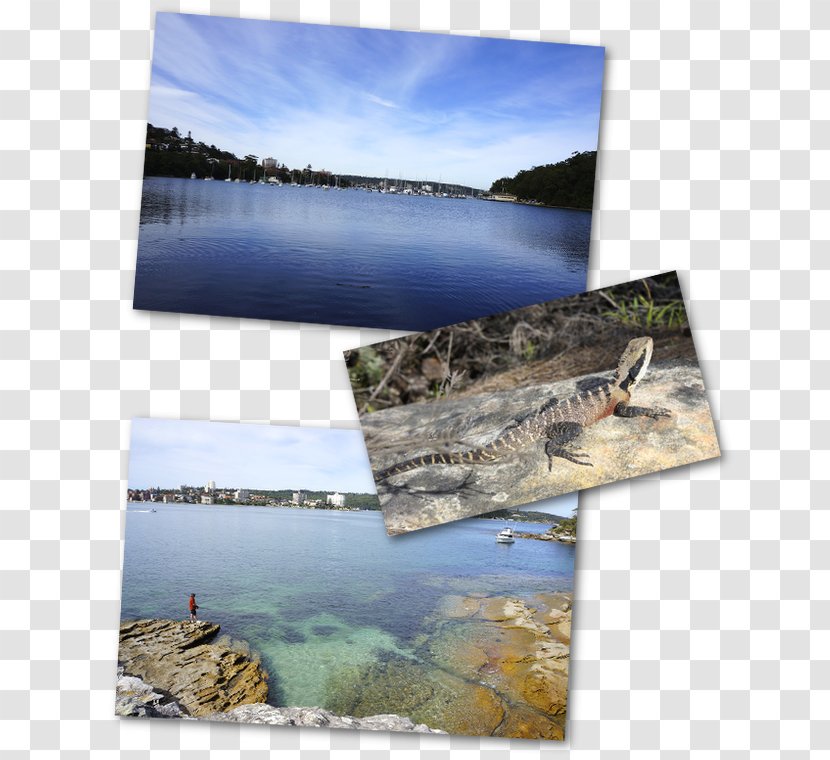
point(195, 676)
point(179, 658)
point(618, 448)
point(428, 695)
point(518, 651)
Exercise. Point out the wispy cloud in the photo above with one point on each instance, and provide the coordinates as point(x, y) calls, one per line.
point(381, 101)
point(364, 101)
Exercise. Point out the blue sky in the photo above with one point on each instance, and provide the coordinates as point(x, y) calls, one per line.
point(170, 453)
point(422, 106)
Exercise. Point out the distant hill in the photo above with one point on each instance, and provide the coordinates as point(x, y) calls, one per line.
point(568, 183)
point(524, 515)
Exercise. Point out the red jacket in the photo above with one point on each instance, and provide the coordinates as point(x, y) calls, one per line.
point(193, 604)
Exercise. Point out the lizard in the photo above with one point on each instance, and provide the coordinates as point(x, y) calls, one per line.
point(556, 422)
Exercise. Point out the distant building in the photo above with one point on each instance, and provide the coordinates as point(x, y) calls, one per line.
point(336, 499)
point(298, 497)
point(269, 163)
point(242, 495)
point(207, 499)
point(211, 486)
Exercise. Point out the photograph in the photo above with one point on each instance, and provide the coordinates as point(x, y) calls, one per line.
point(532, 403)
point(363, 177)
point(259, 586)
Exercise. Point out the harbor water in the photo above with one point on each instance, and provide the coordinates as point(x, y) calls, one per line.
point(324, 594)
point(350, 257)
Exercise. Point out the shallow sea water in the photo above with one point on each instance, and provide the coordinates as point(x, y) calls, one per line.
point(325, 596)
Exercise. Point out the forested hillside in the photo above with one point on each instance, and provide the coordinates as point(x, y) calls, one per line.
point(568, 183)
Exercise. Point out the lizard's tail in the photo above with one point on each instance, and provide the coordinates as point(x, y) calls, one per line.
point(455, 457)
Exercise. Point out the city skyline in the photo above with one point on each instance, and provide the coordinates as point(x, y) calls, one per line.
point(459, 109)
point(169, 453)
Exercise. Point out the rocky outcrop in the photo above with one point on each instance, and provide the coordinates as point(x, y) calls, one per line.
point(563, 538)
point(194, 677)
point(518, 649)
point(618, 448)
point(315, 716)
point(134, 697)
point(180, 658)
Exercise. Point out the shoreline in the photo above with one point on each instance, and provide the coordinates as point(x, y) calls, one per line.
point(363, 189)
point(484, 666)
point(176, 669)
point(562, 538)
point(266, 506)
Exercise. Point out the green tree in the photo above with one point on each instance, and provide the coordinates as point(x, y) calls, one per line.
point(568, 183)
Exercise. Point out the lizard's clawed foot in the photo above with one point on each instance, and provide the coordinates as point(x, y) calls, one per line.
point(572, 456)
point(657, 412)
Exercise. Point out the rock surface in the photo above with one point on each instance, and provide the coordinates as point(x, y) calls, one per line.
point(179, 658)
point(192, 677)
point(618, 448)
point(137, 698)
point(519, 651)
point(562, 538)
point(317, 717)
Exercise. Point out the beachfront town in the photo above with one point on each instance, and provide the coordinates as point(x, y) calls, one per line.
point(210, 494)
point(168, 153)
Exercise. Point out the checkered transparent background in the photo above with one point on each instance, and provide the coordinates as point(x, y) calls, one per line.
point(703, 594)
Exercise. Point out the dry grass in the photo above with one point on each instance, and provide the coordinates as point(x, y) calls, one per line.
point(556, 340)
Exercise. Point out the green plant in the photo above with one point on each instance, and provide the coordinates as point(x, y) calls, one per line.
point(644, 311)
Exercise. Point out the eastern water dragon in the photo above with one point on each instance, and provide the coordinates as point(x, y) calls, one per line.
point(557, 423)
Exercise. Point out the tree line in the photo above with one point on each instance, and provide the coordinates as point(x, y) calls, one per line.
point(568, 183)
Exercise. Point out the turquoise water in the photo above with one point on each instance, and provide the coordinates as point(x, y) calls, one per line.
point(316, 592)
point(304, 254)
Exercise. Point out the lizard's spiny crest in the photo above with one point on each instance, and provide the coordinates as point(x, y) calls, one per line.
point(634, 362)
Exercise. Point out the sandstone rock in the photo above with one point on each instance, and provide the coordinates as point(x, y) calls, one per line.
point(456, 606)
point(179, 658)
point(434, 697)
point(618, 448)
point(528, 723)
point(517, 652)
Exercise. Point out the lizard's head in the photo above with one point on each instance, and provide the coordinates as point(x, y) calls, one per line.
point(634, 362)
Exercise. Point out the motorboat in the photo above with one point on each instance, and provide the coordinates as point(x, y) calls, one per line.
point(505, 536)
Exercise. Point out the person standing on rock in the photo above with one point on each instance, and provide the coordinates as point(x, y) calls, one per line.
point(193, 607)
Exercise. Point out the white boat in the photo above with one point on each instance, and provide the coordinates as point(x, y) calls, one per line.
point(192, 175)
point(505, 536)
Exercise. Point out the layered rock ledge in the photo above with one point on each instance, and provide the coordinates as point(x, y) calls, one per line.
point(618, 448)
point(181, 659)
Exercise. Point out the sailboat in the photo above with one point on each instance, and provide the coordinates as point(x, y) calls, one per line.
point(229, 173)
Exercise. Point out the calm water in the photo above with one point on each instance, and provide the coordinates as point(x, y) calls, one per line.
point(349, 257)
point(314, 591)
